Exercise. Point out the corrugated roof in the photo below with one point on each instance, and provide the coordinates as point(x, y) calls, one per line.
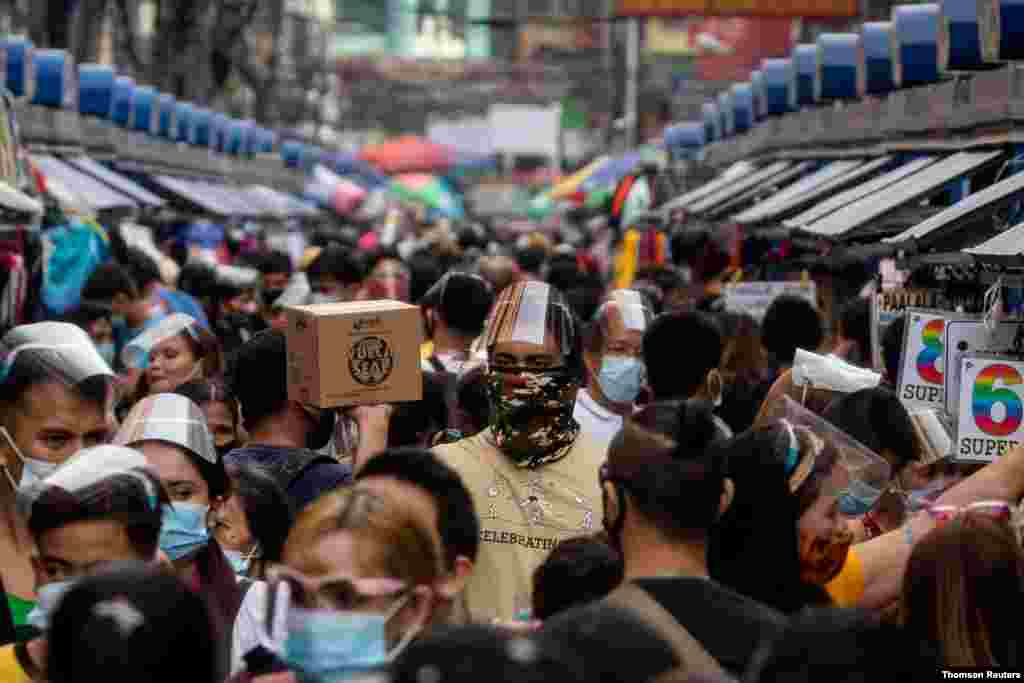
point(835, 203)
point(780, 202)
point(1009, 243)
point(780, 180)
point(991, 198)
point(738, 187)
point(194, 194)
point(115, 180)
point(912, 188)
point(730, 176)
point(95, 194)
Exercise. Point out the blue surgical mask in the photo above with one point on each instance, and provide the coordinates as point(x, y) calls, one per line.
point(183, 529)
point(858, 499)
point(239, 561)
point(32, 469)
point(620, 378)
point(108, 352)
point(326, 645)
point(48, 597)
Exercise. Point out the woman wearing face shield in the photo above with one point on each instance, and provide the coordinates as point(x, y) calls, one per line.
point(533, 472)
point(170, 430)
point(358, 584)
point(56, 399)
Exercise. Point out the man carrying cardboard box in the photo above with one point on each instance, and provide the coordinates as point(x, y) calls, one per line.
point(532, 474)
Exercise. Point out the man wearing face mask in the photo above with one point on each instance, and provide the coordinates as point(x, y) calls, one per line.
point(101, 507)
point(335, 275)
point(532, 473)
point(57, 398)
point(284, 435)
point(612, 357)
point(664, 490)
point(682, 353)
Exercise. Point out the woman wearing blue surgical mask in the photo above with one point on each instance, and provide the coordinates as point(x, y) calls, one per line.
point(252, 524)
point(357, 586)
point(170, 430)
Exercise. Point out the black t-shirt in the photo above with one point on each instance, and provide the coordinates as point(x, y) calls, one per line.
point(730, 626)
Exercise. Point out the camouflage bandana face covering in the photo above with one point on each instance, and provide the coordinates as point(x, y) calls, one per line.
point(531, 419)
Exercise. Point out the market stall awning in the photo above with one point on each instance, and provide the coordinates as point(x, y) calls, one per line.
point(732, 174)
point(613, 170)
point(84, 188)
point(571, 185)
point(992, 198)
point(770, 187)
point(1007, 246)
point(914, 188)
point(409, 154)
point(796, 193)
point(236, 198)
point(283, 204)
point(194, 194)
point(738, 187)
point(115, 180)
point(822, 209)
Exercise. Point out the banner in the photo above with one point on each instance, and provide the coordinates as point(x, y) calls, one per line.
point(971, 336)
point(921, 380)
point(760, 8)
point(991, 403)
point(754, 298)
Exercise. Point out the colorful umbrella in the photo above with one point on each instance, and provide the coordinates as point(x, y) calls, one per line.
point(409, 154)
point(332, 191)
point(612, 171)
point(428, 190)
point(571, 185)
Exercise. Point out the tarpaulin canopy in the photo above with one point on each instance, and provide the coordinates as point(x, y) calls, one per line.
point(409, 154)
point(83, 191)
point(430, 191)
point(115, 180)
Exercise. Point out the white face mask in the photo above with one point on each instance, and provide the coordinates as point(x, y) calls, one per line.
point(32, 470)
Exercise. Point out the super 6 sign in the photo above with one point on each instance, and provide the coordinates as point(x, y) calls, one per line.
point(758, 8)
point(991, 407)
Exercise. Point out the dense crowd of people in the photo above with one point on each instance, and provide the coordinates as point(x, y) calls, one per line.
point(601, 483)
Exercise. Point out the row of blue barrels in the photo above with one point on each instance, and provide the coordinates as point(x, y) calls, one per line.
point(919, 46)
point(48, 78)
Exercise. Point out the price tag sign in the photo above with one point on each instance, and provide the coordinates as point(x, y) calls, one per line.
point(971, 336)
point(921, 380)
point(754, 298)
point(991, 407)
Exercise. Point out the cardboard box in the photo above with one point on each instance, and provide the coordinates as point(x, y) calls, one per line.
point(354, 353)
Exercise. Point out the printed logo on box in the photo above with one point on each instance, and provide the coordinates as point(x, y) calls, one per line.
point(361, 324)
point(370, 361)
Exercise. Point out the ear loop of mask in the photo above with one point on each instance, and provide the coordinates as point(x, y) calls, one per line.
point(17, 451)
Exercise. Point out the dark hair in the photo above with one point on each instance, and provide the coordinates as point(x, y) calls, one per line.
point(143, 269)
point(258, 376)
point(120, 497)
point(27, 371)
point(107, 281)
point(877, 419)
point(842, 645)
point(671, 480)
point(204, 345)
point(531, 259)
point(563, 274)
point(791, 323)
point(892, 348)
point(855, 325)
point(267, 508)
point(697, 337)
point(457, 521)
point(761, 521)
point(414, 423)
point(203, 391)
point(578, 571)
point(133, 624)
point(601, 634)
point(473, 403)
point(275, 262)
point(338, 262)
point(469, 654)
point(86, 314)
point(964, 592)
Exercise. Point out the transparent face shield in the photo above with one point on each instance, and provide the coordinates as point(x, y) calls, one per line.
point(139, 350)
point(297, 293)
point(109, 478)
point(531, 313)
point(829, 460)
point(624, 309)
point(60, 351)
point(170, 418)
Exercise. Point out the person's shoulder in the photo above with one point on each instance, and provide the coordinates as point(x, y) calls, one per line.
point(704, 595)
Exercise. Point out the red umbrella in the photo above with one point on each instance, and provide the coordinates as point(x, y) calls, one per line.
point(408, 153)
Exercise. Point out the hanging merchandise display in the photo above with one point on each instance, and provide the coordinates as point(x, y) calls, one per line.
point(990, 418)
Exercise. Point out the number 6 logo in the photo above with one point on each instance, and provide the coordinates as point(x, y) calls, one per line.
point(931, 336)
point(986, 397)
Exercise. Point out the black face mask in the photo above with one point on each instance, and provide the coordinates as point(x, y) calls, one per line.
point(322, 431)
